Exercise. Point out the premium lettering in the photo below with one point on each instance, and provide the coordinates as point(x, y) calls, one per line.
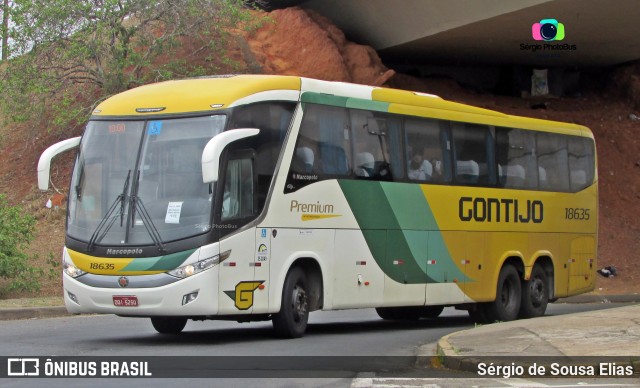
point(310, 207)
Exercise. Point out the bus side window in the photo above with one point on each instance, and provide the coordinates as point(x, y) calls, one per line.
point(580, 162)
point(376, 145)
point(322, 149)
point(425, 142)
point(273, 119)
point(552, 161)
point(517, 165)
point(474, 154)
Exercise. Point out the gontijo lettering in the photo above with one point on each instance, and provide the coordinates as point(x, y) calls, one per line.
point(500, 210)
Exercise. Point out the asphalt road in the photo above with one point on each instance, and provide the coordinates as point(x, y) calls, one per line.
point(335, 335)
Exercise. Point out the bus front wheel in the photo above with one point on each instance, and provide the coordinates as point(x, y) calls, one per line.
point(291, 321)
point(508, 297)
point(168, 325)
point(535, 294)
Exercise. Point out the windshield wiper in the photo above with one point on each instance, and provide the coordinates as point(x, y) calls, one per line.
point(107, 221)
point(80, 180)
point(138, 207)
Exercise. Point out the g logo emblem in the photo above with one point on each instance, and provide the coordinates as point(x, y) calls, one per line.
point(243, 295)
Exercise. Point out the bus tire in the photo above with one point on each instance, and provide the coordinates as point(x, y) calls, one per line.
point(291, 321)
point(506, 306)
point(168, 325)
point(406, 313)
point(386, 313)
point(535, 294)
point(477, 313)
point(431, 311)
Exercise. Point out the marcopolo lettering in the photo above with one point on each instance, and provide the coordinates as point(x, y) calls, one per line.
point(500, 210)
point(132, 251)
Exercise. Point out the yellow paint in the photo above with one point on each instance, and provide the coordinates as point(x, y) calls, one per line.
point(313, 217)
point(490, 244)
point(104, 265)
point(244, 294)
point(192, 95)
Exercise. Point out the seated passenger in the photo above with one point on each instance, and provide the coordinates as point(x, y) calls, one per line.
point(419, 169)
point(364, 164)
point(304, 159)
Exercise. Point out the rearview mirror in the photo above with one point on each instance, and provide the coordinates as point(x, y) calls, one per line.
point(44, 164)
point(213, 150)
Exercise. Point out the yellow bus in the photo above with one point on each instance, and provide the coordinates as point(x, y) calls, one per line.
point(267, 197)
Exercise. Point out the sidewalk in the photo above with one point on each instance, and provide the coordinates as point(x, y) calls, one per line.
point(587, 337)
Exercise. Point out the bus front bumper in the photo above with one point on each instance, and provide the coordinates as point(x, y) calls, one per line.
point(192, 296)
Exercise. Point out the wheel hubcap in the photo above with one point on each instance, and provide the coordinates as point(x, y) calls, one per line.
point(299, 303)
point(506, 294)
point(537, 291)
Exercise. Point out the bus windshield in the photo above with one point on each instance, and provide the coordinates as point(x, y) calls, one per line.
point(140, 182)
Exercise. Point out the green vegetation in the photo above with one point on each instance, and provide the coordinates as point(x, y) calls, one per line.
point(67, 55)
point(16, 232)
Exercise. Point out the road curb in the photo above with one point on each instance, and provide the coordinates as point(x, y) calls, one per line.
point(592, 298)
point(450, 360)
point(11, 314)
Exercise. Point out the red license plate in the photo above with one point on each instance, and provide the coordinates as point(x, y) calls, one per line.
point(125, 301)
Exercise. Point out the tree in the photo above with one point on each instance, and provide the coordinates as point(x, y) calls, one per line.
point(5, 29)
point(16, 232)
point(67, 51)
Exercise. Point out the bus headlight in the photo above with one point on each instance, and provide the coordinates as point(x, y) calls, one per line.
point(71, 270)
point(194, 268)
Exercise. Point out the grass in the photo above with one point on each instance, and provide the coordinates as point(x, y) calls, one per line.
point(50, 301)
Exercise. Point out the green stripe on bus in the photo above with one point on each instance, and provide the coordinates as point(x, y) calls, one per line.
point(414, 214)
point(344, 102)
point(324, 99)
point(401, 231)
point(159, 263)
point(378, 106)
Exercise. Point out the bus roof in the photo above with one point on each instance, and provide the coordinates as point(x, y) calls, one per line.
point(208, 94)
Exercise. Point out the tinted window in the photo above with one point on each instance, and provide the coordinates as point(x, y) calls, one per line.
point(553, 163)
point(323, 148)
point(517, 164)
point(376, 145)
point(581, 162)
point(273, 120)
point(473, 154)
point(427, 151)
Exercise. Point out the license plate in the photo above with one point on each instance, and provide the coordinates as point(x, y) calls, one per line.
point(125, 301)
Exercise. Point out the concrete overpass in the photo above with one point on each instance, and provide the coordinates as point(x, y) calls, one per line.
point(488, 32)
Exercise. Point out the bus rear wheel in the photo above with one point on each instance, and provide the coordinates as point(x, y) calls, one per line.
point(506, 306)
point(291, 321)
point(168, 325)
point(406, 313)
point(431, 311)
point(409, 313)
point(477, 313)
point(535, 294)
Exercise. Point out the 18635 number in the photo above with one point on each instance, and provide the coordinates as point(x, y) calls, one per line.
point(577, 213)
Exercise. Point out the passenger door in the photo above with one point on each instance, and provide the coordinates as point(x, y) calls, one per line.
point(237, 283)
